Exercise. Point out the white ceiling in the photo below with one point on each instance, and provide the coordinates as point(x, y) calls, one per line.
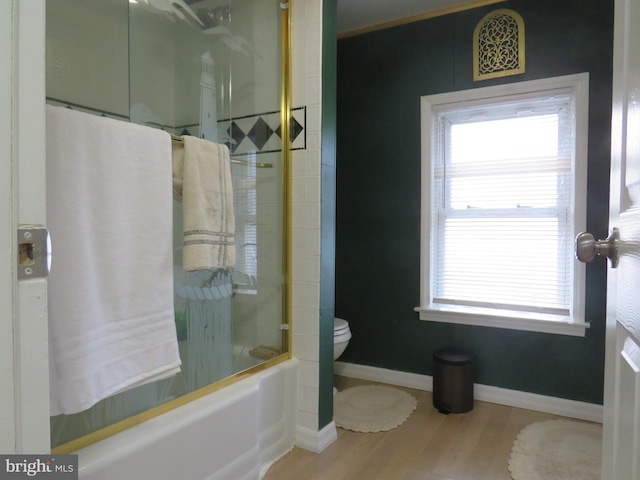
point(355, 14)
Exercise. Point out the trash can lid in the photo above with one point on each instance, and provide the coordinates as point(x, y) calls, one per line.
point(453, 356)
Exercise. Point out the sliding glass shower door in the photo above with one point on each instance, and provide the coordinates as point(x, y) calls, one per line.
point(211, 70)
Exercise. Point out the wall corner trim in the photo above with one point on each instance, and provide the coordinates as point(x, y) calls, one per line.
point(486, 393)
point(316, 441)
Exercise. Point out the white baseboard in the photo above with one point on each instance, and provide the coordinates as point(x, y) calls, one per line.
point(316, 441)
point(486, 393)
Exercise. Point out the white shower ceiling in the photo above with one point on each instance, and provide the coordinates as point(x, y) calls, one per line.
point(355, 14)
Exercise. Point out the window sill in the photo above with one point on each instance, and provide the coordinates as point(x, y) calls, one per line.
point(558, 325)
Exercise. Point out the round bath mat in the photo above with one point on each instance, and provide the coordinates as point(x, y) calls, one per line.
point(372, 408)
point(557, 450)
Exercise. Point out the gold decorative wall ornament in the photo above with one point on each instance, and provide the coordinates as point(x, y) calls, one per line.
point(498, 45)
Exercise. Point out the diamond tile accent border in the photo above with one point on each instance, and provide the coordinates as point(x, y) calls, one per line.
point(260, 133)
point(253, 134)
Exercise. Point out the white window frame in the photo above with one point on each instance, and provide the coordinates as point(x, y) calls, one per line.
point(573, 324)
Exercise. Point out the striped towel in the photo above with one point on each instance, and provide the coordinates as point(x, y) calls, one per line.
point(202, 176)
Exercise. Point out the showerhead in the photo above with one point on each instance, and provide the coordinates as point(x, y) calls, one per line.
point(214, 17)
point(212, 21)
point(171, 7)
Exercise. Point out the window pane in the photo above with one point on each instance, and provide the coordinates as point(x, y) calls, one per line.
point(498, 260)
point(507, 191)
point(493, 141)
point(503, 186)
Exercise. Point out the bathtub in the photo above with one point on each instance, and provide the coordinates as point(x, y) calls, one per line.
point(234, 433)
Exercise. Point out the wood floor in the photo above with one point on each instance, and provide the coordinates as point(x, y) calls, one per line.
point(428, 446)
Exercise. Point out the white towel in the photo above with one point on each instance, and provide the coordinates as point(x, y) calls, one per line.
point(202, 175)
point(111, 315)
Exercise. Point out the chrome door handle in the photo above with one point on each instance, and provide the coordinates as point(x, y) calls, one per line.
point(587, 247)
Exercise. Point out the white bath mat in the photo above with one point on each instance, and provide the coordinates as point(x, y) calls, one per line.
point(372, 408)
point(557, 450)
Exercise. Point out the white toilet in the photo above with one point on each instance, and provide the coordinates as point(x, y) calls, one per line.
point(341, 336)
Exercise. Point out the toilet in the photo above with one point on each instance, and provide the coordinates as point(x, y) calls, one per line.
point(341, 336)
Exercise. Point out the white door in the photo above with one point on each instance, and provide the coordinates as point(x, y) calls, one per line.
point(621, 447)
point(24, 391)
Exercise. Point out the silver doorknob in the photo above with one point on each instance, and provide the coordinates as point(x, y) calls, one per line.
point(588, 247)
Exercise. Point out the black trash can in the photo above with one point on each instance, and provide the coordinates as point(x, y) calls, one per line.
point(453, 380)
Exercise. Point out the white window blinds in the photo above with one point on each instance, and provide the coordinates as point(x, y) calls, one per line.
point(502, 188)
point(245, 205)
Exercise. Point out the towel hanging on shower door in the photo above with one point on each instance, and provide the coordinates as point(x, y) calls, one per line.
point(111, 315)
point(202, 178)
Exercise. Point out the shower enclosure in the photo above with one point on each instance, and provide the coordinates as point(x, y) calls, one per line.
point(211, 69)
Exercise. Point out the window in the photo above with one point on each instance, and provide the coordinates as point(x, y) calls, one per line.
point(504, 190)
point(245, 272)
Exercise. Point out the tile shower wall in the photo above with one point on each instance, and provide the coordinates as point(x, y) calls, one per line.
point(86, 54)
point(307, 91)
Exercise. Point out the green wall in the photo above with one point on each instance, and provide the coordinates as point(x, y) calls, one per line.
point(381, 76)
point(328, 211)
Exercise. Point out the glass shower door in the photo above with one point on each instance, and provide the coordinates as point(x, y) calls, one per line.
point(212, 70)
point(225, 87)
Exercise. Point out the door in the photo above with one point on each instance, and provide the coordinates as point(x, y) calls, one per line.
point(621, 447)
point(24, 395)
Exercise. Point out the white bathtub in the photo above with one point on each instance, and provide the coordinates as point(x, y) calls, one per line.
point(235, 433)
